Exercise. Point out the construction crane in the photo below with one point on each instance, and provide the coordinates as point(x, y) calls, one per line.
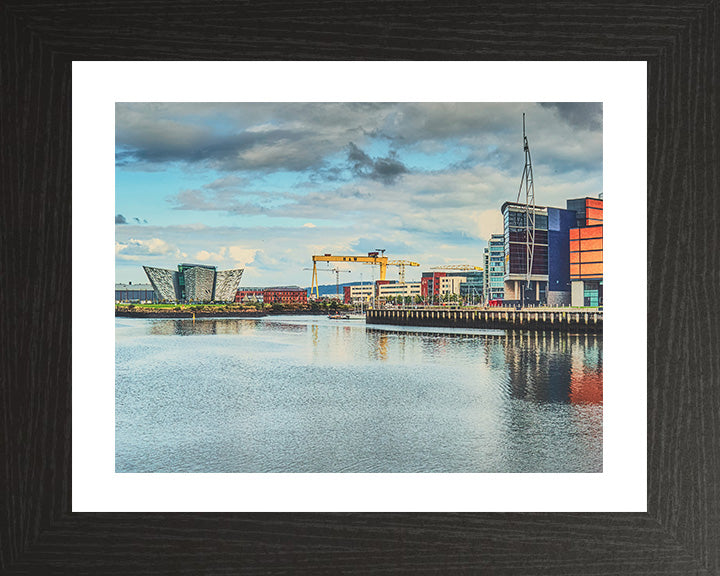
point(401, 264)
point(526, 182)
point(337, 276)
point(463, 267)
point(371, 258)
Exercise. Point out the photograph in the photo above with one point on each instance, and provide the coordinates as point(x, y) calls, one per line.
point(359, 271)
point(358, 287)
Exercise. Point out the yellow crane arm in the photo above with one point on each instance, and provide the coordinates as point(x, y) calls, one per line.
point(371, 258)
point(465, 267)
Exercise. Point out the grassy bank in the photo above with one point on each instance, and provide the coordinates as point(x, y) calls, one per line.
point(187, 310)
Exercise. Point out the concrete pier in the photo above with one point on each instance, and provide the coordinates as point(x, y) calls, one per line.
point(564, 319)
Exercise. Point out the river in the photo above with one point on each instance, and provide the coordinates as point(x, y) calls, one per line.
point(311, 394)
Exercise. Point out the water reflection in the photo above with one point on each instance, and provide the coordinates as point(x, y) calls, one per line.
point(215, 326)
point(554, 366)
point(541, 366)
point(310, 394)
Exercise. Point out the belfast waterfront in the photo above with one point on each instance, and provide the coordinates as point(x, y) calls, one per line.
point(312, 394)
point(358, 287)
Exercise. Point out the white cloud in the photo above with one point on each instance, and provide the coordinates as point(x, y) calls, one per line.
point(242, 256)
point(488, 222)
point(135, 249)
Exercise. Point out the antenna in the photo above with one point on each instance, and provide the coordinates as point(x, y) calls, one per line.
point(526, 182)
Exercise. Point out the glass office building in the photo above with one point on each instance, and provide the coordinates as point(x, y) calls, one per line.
point(495, 268)
point(516, 254)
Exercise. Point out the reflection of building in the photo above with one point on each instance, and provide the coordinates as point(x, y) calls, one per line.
point(285, 295)
point(495, 268)
point(554, 367)
point(194, 283)
point(134, 292)
point(586, 252)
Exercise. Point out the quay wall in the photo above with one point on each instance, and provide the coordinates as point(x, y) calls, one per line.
point(566, 320)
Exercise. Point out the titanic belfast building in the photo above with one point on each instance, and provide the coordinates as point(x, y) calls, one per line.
point(194, 283)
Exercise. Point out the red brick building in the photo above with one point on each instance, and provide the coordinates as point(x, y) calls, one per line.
point(249, 295)
point(285, 295)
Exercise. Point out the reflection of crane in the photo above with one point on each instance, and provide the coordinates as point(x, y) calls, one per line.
point(401, 264)
point(337, 276)
point(371, 258)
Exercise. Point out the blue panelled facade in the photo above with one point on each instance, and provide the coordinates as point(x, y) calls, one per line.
point(559, 223)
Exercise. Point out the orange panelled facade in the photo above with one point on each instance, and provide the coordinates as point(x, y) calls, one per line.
point(593, 212)
point(586, 244)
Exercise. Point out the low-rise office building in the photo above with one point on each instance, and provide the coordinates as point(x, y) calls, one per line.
point(134, 293)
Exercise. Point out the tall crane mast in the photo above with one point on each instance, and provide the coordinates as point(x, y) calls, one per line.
point(401, 264)
point(526, 183)
point(337, 275)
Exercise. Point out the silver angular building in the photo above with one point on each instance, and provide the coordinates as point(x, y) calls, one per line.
point(194, 283)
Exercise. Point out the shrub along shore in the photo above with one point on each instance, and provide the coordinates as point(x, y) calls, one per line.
point(225, 310)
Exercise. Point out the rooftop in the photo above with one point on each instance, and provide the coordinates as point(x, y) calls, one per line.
point(120, 286)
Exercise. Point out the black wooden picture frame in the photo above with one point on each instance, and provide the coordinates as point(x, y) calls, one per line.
point(680, 533)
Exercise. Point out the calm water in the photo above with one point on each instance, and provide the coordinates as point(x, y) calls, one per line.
point(310, 394)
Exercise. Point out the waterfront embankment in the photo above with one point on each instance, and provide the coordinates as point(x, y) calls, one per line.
point(562, 319)
point(125, 313)
point(224, 310)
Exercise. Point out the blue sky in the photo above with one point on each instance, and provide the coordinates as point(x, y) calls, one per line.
point(265, 186)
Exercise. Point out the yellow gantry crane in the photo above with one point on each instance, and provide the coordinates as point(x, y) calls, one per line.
point(337, 276)
point(402, 264)
point(371, 258)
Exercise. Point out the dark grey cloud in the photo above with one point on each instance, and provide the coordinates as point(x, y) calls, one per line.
point(274, 149)
point(386, 170)
point(330, 142)
point(120, 219)
point(587, 115)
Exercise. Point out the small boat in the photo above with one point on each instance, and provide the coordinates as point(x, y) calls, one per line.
point(339, 317)
point(356, 316)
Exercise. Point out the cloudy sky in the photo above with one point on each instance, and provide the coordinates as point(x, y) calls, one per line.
point(265, 186)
